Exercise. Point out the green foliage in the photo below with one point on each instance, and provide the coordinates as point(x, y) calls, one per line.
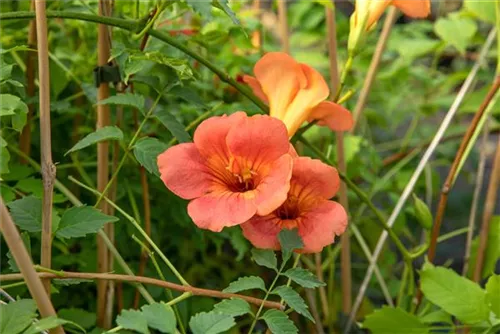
point(102, 134)
point(160, 316)
point(246, 283)
point(146, 151)
point(27, 243)
point(456, 295)
point(492, 253)
point(45, 324)
point(266, 258)
point(83, 318)
point(211, 323)
point(294, 300)
point(126, 99)
point(279, 323)
point(492, 294)
point(424, 215)
point(173, 125)
point(134, 320)
point(484, 10)
point(389, 320)
point(17, 316)
point(289, 241)
point(13, 106)
point(27, 214)
point(456, 30)
point(233, 307)
point(303, 277)
point(80, 221)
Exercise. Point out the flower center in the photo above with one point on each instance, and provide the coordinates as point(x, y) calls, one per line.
point(289, 210)
point(244, 182)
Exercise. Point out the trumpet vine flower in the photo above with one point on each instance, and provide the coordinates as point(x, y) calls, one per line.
point(237, 167)
point(295, 93)
point(307, 208)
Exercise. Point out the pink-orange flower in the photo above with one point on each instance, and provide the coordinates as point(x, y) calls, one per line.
point(238, 166)
point(307, 208)
point(295, 93)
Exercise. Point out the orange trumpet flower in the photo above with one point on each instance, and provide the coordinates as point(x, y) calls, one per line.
point(238, 166)
point(296, 93)
point(307, 208)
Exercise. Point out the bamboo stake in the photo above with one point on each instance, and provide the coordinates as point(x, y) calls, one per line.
point(25, 140)
point(25, 265)
point(345, 257)
point(103, 119)
point(48, 167)
point(283, 26)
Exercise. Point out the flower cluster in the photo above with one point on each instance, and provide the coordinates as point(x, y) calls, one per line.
point(242, 170)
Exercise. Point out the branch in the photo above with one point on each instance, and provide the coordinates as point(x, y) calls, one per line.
point(146, 280)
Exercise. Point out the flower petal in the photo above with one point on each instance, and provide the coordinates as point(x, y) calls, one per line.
point(184, 172)
point(210, 138)
point(319, 226)
point(312, 178)
point(263, 232)
point(332, 115)
point(414, 8)
point(222, 208)
point(273, 188)
point(280, 77)
point(256, 88)
point(307, 98)
point(257, 140)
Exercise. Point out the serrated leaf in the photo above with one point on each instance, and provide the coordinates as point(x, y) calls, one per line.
point(146, 151)
point(133, 320)
point(493, 294)
point(456, 30)
point(83, 318)
point(16, 316)
point(180, 66)
point(79, 221)
point(173, 125)
point(45, 324)
point(126, 99)
point(13, 106)
point(233, 307)
point(424, 215)
point(279, 323)
point(27, 243)
point(223, 5)
point(303, 277)
point(289, 241)
point(211, 323)
point(294, 300)
point(456, 295)
point(246, 283)
point(102, 134)
point(160, 316)
point(203, 7)
point(265, 257)
point(27, 213)
point(389, 320)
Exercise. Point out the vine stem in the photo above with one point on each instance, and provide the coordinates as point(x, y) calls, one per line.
point(145, 280)
point(25, 265)
point(48, 167)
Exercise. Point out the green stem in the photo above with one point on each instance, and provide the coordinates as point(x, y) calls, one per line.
point(268, 292)
point(138, 227)
point(343, 76)
point(182, 297)
point(402, 287)
point(114, 330)
point(48, 270)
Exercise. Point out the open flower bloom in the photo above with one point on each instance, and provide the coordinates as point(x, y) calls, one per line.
point(296, 93)
point(238, 166)
point(307, 208)
point(373, 10)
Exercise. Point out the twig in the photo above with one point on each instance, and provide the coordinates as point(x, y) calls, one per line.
point(103, 119)
point(416, 174)
point(455, 165)
point(489, 208)
point(48, 167)
point(475, 199)
point(345, 256)
point(25, 265)
point(283, 26)
point(372, 70)
point(25, 139)
point(145, 280)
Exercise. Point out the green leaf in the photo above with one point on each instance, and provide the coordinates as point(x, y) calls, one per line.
point(424, 215)
point(211, 323)
point(265, 257)
point(146, 151)
point(436, 317)
point(246, 283)
point(389, 320)
point(233, 307)
point(303, 277)
point(126, 99)
point(455, 294)
point(223, 5)
point(27, 213)
point(492, 253)
point(173, 125)
point(27, 243)
point(279, 323)
point(493, 294)
point(13, 105)
point(79, 221)
point(294, 300)
point(4, 160)
point(160, 316)
point(45, 324)
point(180, 66)
point(102, 134)
point(483, 10)
point(289, 241)
point(133, 320)
point(16, 316)
point(203, 7)
point(83, 318)
point(456, 30)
